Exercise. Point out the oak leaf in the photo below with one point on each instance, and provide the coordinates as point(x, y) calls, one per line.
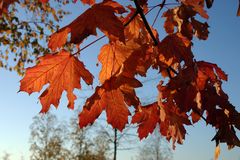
point(61, 71)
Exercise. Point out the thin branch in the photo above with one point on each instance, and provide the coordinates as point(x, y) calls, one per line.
point(196, 111)
point(161, 7)
point(126, 24)
point(166, 4)
point(140, 11)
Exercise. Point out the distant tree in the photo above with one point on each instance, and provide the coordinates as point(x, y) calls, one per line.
point(48, 138)
point(80, 144)
point(155, 148)
point(84, 147)
point(6, 156)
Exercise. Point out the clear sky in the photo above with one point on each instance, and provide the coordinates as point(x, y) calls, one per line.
point(222, 47)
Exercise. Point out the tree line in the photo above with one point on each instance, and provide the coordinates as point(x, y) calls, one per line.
point(52, 139)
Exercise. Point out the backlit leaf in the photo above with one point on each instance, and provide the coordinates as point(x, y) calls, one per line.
point(61, 71)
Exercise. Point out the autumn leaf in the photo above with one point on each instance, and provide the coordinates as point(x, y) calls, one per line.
point(147, 117)
point(201, 29)
point(175, 48)
point(107, 97)
point(198, 6)
point(61, 71)
point(5, 4)
point(102, 16)
point(217, 152)
point(89, 2)
point(58, 39)
point(112, 56)
point(44, 1)
point(209, 71)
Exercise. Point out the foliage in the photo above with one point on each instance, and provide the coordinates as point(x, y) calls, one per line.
point(6, 156)
point(48, 138)
point(53, 139)
point(189, 89)
point(22, 38)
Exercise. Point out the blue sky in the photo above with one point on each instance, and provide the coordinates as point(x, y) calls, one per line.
point(222, 47)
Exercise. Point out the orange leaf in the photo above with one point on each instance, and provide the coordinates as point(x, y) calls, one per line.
point(108, 97)
point(217, 152)
point(62, 71)
point(147, 117)
point(112, 56)
point(58, 39)
point(102, 16)
point(90, 2)
point(210, 71)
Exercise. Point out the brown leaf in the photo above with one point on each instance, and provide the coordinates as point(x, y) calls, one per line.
point(198, 6)
point(61, 71)
point(201, 29)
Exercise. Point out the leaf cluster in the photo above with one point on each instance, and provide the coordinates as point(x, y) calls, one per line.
point(189, 90)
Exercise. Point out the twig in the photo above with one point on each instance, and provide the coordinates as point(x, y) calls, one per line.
point(140, 11)
point(161, 7)
point(196, 111)
point(126, 24)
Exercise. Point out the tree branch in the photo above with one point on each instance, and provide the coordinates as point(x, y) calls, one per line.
point(140, 11)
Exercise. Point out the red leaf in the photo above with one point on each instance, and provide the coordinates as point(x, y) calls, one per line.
point(173, 49)
point(210, 71)
point(44, 1)
point(100, 16)
point(62, 71)
point(4, 4)
point(198, 6)
point(147, 117)
point(90, 2)
point(109, 97)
